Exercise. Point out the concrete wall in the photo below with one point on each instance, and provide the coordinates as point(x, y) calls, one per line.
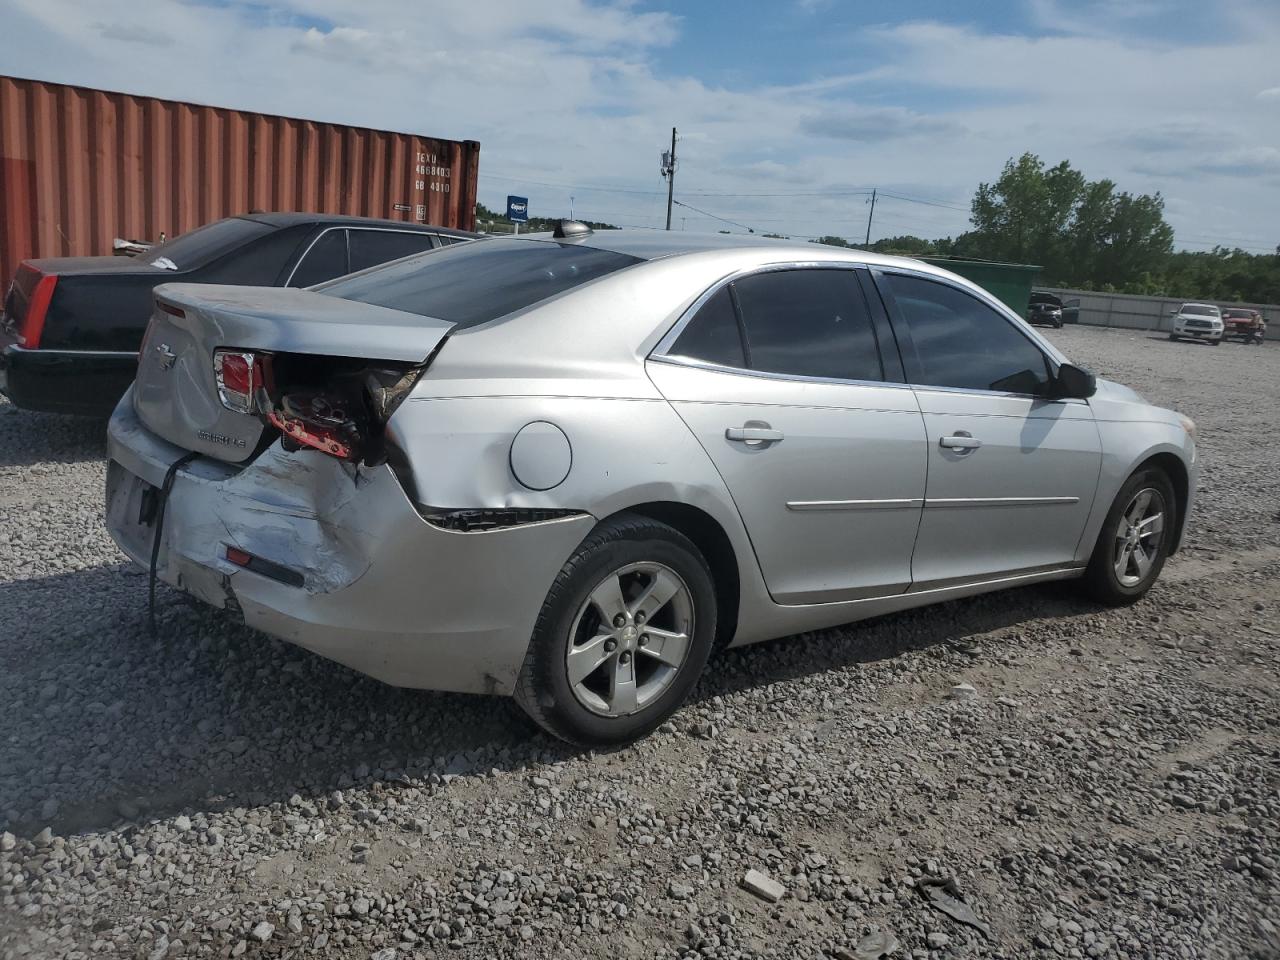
point(1136, 312)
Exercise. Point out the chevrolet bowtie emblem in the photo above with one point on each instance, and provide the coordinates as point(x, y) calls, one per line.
point(167, 356)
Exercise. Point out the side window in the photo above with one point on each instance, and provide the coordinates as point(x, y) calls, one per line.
point(259, 262)
point(811, 323)
point(962, 342)
point(712, 336)
point(326, 259)
point(372, 247)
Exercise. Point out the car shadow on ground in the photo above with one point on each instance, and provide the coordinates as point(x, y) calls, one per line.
point(28, 438)
point(114, 725)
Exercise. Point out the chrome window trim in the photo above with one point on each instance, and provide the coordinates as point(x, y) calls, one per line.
point(316, 239)
point(660, 353)
point(679, 361)
point(973, 392)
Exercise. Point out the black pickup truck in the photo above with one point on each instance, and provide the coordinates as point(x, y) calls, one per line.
point(72, 326)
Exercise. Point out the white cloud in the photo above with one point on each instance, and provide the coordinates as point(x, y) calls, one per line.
point(876, 124)
point(1271, 93)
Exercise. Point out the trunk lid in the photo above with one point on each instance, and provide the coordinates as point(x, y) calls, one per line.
point(84, 266)
point(176, 393)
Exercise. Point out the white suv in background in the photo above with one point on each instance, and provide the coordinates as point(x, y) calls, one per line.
point(1198, 321)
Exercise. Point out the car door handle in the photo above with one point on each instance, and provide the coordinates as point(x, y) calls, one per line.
point(960, 441)
point(753, 434)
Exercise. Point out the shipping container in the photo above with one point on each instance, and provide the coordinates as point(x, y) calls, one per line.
point(81, 167)
point(1011, 282)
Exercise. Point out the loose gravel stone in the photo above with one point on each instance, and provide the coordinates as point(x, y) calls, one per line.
point(763, 886)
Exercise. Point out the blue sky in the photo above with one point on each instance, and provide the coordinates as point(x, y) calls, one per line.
point(787, 109)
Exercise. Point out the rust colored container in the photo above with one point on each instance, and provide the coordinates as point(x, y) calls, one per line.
point(80, 167)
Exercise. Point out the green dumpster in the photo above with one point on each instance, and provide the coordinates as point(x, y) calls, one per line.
point(1011, 282)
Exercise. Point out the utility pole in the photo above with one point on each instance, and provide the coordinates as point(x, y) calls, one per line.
point(871, 214)
point(669, 171)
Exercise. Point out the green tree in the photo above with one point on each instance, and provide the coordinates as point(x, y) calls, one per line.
point(911, 246)
point(832, 241)
point(1082, 233)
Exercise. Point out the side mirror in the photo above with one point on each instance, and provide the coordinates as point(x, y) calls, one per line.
point(1074, 383)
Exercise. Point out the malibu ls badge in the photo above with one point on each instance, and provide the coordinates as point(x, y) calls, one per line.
point(221, 438)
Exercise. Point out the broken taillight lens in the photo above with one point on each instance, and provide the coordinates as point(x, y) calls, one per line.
point(240, 375)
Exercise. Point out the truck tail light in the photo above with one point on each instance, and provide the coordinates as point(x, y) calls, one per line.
point(32, 325)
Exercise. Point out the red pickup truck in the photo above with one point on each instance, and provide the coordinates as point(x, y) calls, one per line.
point(1243, 324)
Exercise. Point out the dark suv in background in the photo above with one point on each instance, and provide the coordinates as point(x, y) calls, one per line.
point(72, 326)
point(1045, 308)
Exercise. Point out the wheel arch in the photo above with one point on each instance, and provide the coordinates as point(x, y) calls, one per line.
point(713, 542)
point(1172, 466)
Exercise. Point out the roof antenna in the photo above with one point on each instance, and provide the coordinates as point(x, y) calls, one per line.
point(571, 230)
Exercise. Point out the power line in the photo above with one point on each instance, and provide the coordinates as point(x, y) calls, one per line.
point(714, 217)
point(847, 192)
point(927, 202)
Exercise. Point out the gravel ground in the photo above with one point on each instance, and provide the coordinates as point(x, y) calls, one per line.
point(1110, 788)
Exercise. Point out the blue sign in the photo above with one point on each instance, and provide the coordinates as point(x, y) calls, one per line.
point(518, 209)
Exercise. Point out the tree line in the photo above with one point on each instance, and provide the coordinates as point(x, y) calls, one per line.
point(1091, 235)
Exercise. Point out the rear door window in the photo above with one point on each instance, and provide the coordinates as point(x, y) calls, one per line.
point(472, 283)
point(326, 259)
point(964, 343)
point(809, 323)
point(205, 244)
point(372, 247)
point(713, 335)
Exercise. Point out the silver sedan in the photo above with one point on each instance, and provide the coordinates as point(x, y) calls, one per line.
point(567, 467)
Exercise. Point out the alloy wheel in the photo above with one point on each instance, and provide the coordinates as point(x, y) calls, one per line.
point(1139, 536)
point(629, 639)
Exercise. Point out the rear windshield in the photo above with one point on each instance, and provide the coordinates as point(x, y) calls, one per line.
point(1200, 310)
point(205, 244)
point(473, 283)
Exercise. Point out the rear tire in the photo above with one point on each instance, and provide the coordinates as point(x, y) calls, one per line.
point(623, 635)
point(1125, 561)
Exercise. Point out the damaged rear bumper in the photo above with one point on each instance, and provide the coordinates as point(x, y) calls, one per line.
point(383, 591)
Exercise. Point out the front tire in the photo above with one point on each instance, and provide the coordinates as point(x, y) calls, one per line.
point(623, 634)
point(1134, 541)
point(1173, 336)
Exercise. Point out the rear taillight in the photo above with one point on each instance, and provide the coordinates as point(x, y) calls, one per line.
point(241, 375)
point(37, 307)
